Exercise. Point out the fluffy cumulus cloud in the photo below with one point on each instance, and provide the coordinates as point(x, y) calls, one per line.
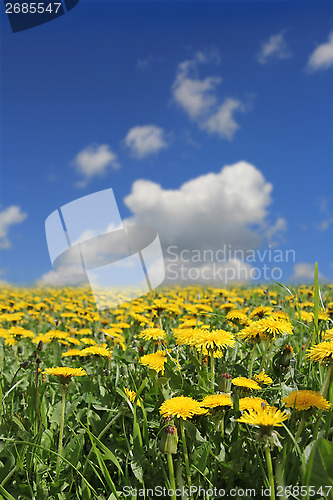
point(303, 271)
point(207, 227)
point(223, 122)
point(207, 211)
point(10, 216)
point(94, 160)
point(145, 140)
point(274, 48)
point(322, 57)
point(198, 97)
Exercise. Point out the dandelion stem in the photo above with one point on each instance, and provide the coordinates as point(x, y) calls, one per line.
point(222, 426)
point(264, 356)
point(212, 361)
point(36, 398)
point(254, 348)
point(171, 476)
point(187, 463)
point(61, 430)
point(326, 383)
point(270, 471)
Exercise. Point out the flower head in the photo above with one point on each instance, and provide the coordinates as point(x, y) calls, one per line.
point(217, 400)
point(266, 329)
point(252, 403)
point(322, 352)
point(155, 361)
point(265, 418)
point(71, 352)
point(246, 383)
point(131, 396)
point(304, 400)
point(213, 341)
point(152, 334)
point(181, 407)
point(96, 350)
point(262, 378)
point(64, 373)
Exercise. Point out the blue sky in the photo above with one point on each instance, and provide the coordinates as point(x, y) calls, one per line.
point(211, 120)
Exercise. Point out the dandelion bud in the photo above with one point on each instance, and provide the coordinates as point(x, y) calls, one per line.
point(38, 360)
point(24, 364)
point(40, 345)
point(169, 439)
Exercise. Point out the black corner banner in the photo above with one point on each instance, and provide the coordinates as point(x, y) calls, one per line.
point(26, 14)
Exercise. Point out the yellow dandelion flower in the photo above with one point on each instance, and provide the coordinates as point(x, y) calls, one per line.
point(71, 352)
point(262, 378)
point(246, 383)
point(323, 316)
point(155, 361)
point(190, 323)
point(260, 312)
point(328, 335)
point(131, 396)
point(64, 373)
point(185, 336)
point(152, 334)
point(216, 400)
point(214, 340)
point(322, 352)
point(252, 403)
point(237, 316)
point(265, 417)
point(181, 407)
point(266, 329)
point(87, 341)
point(304, 400)
point(307, 316)
point(96, 350)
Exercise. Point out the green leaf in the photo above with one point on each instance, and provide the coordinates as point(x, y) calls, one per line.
point(319, 469)
point(7, 495)
point(200, 456)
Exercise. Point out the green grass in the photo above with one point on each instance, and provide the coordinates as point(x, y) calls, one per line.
point(111, 445)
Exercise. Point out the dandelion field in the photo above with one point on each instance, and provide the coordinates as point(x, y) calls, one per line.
point(223, 390)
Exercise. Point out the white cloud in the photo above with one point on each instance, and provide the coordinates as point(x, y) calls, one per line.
point(276, 229)
point(222, 122)
point(94, 160)
point(322, 57)
point(198, 97)
point(303, 271)
point(8, 217)
point(61, 277)
point(274, 48)
point(145, 140)
point(221, 213)
point(228, 207)
point(195, 96)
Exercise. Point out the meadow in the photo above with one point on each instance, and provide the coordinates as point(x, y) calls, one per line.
point(189, 392)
